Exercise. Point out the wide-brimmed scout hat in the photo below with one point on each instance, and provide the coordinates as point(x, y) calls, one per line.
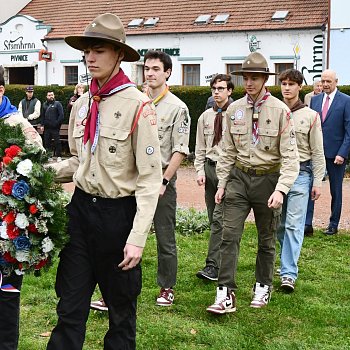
point(254, 63)
point(108, 28)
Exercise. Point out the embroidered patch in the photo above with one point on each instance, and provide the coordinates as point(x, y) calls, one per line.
point(239, 114)
point(292, 134)
point(239, 122)
point(292, 141)
point(183, 129)
point(153, 121)
point(82, 112)
point(149, 150)
point(232, 117)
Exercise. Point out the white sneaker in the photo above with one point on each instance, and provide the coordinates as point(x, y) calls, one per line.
point(225, 302)
point(59, 159)
point(165, 297)
point(261, 295)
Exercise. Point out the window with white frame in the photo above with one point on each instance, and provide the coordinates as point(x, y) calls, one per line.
point(237, 79)
point(191, 74)
point(71, 75)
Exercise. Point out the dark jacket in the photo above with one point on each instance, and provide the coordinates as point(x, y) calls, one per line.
point(52, 115)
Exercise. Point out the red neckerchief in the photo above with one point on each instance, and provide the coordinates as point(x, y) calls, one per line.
point(119, 82)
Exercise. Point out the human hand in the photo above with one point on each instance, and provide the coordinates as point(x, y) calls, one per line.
point(132, 256)
point(220, 194)
point(201, 180)
point(276, 200)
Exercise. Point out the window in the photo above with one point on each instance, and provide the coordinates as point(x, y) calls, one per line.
point(191, 74)
point(237, 79)
point(151, 22)
point(136, 22)
point(139, 74)
point(280, 15)
point(71, 73)
point(280, 67)
point(202, 19)
point(221, 19)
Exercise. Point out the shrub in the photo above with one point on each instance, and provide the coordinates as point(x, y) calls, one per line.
point(190, 221)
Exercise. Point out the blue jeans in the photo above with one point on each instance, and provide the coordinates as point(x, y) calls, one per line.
point(290, 234)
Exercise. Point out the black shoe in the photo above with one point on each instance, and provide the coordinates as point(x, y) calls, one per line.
point(331, 231)
point(209, 273)
point(308, 231)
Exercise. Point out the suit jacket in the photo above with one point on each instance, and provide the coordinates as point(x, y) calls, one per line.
point(336, 125)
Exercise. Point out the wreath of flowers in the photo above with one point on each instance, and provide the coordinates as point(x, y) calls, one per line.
point(32, 205)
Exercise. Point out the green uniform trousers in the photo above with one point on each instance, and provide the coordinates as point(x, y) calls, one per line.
point(243, 193)
point(214, 215)
point(164, 225)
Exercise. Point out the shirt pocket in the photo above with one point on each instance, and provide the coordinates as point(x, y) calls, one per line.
point(239, 135)
point(78, 136)
point(302, 135)
point(268, 139)
point(114, 146)
point(208, 136)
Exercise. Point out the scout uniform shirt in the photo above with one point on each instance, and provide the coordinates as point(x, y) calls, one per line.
point(276, 141)
point(123, 163)
point(173, 121)
point(204, 139)
point(307, 125)
point(31, 135)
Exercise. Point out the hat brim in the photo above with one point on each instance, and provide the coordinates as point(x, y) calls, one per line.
point(241, 72)
point(82, 42)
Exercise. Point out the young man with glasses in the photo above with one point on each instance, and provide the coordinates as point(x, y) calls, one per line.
point(211, 127)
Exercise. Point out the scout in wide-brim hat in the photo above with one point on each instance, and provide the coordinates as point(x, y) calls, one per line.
point(107, 28)
point(254, 63)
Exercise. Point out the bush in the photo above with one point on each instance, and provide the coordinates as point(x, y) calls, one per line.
point(191, 221)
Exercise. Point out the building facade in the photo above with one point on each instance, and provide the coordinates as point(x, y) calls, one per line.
point(201, 44)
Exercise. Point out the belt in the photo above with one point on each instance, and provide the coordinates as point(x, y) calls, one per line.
point(210, 162)
point(306, 163)
point(257, 172)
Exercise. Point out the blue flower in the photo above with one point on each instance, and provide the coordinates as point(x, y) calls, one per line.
point(22, 243)
point(20, 189)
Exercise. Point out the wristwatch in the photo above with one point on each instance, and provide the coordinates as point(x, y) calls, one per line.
point(165, 182)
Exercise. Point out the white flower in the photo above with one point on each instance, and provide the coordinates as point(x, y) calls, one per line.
point(19, 272)
point(25, 167)
point(21, 221)
point(3, 230)
point(47, 245)
point(22, 255)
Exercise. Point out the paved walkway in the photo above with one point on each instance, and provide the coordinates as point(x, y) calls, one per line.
point(192, 195)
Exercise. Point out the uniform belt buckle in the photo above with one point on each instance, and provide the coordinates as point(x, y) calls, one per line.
point(251, 171)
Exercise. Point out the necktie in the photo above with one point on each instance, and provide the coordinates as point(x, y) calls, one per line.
point(325, 108)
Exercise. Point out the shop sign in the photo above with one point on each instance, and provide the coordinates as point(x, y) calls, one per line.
point(18, 44)
point(45, 56)
point(19, 58)
point(170, 51)
point(254, 43)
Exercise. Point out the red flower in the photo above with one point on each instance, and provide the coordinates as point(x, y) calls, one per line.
point(6, 160)
point(12, 151)
point(32, 228)
point(40, 264)
point(1, 214)
point(33, 209)
point(7, 187)
point(10, 217)
point(12, 231)
point(7, 257)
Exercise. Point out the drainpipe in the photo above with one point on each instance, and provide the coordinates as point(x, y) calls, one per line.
point(45, 46)
point(328, 32)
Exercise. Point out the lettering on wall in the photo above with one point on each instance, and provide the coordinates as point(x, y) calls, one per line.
point(18, 44)
point(317, 60)
point(19, 58)
point(170, 52)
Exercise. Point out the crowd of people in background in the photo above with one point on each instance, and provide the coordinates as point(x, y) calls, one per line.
point(257, 153)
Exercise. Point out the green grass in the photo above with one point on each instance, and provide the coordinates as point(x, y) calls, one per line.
point(316, 316)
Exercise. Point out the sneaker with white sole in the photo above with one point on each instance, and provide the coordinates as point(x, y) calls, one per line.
point(98, 305)
point(59, 159)
point(209, 272)
point(165, 297)
point(225, 302)
point(261, 295)
point(287, 284)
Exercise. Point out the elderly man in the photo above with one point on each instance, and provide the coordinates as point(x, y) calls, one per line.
point(116, 168)
point(255, 171)
point(334, 109)
point(317, 90)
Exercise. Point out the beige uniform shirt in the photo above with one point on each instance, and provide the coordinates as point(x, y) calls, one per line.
point(276, 144)
point(204, 140)
point(174, 122)
point(307, 98)
point(307, 124)
point(122, 164)
point(31, 135)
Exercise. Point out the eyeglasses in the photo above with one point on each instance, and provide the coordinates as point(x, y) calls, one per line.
point(220, 89)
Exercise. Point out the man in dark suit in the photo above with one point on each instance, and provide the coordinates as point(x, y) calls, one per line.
point(334, 109)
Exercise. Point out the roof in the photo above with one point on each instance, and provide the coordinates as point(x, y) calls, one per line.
point(178, 16)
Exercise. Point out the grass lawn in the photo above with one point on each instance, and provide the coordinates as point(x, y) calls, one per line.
point(315, 316)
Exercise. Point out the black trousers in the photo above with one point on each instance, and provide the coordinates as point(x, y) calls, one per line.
point(98, 229)
point(9, 313)
point(54, 134)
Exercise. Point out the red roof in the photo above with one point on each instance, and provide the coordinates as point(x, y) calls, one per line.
point(71, 17)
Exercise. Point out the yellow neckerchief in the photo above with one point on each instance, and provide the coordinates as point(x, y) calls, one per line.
point(160, 96)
